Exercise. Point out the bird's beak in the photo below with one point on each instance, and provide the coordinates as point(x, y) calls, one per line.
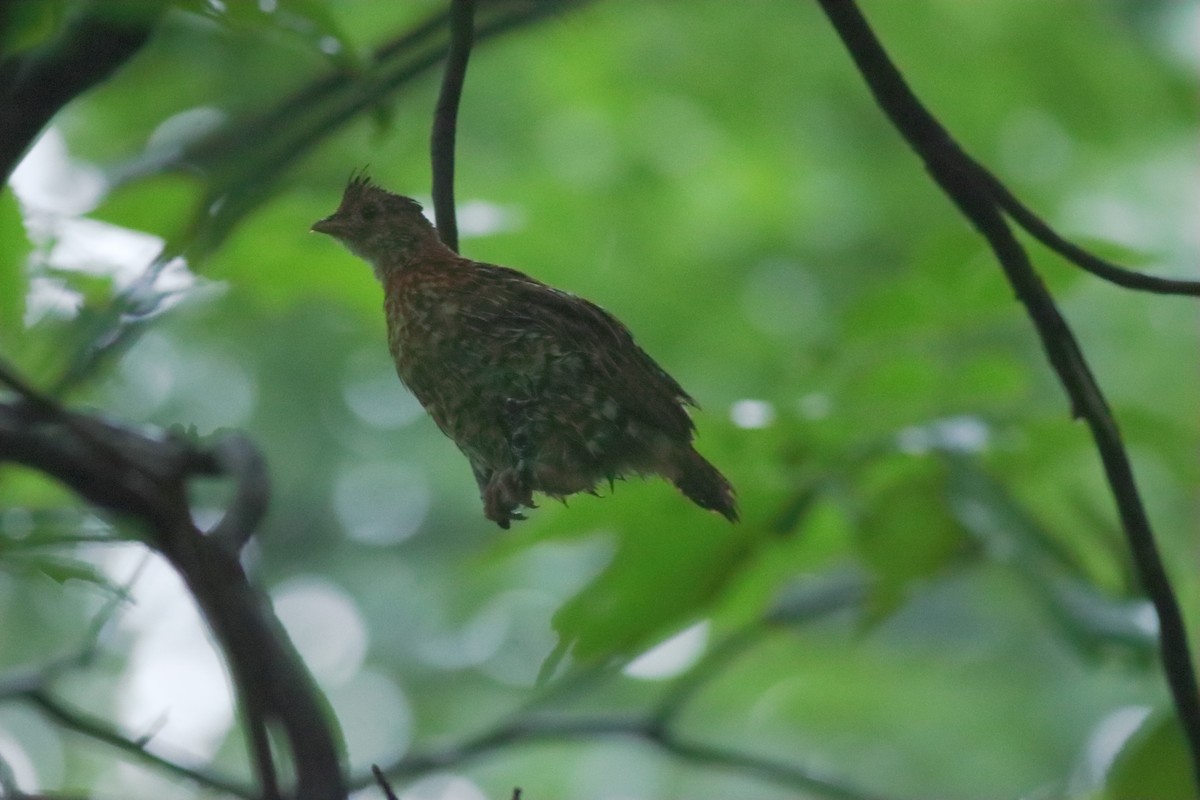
point(330, 226)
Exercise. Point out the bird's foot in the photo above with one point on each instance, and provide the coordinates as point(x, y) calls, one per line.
point(507, 491)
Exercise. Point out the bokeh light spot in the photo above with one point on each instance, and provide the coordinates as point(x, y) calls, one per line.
point(672, 656)
point(174, 683)
point(372, 392)
point(383, 720)
point(752, 414)
point(381, 504)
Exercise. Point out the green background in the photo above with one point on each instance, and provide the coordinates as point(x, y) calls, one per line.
point(929, 583)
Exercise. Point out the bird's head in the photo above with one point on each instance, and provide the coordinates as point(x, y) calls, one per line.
point(378, 226)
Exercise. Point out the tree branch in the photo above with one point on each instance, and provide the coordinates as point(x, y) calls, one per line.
point(145, 478)
point(978, 200)
point(235, 455)
point(657, 727)
point(36, 84)
point(445, 119)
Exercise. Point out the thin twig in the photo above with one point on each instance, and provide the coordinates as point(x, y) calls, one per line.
point(657, 727)
point(953, 170)
point(445, 119)
point(1101, 268)
point(103, 731)
point(24, 682)
point(382, 780)
point(8, 782)
point(688, 685)
point(532, 731)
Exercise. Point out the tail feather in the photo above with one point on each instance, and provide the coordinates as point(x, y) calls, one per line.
point(705, 486)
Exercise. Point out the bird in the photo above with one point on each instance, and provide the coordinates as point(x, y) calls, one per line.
point(542, 390)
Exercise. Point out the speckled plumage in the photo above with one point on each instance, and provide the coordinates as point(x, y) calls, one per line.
point(540, 389)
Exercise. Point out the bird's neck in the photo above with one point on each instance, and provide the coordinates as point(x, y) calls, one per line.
point(428, 256)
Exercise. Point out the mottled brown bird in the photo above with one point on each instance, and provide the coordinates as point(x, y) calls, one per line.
point(540, 389)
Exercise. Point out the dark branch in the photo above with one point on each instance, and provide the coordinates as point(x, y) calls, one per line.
point(145, 478)
point(236, 456)
point(956, 173)
point(382, 780)
point(445, 119)
point(1041, 230)
point(36, 84)
point(259, 744)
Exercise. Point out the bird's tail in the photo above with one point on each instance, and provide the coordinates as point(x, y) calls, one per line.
point(705, 486)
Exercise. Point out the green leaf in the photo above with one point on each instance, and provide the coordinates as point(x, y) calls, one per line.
point(1089, 617)
point(14, 280)
point(26, 25)
point(296, 266)
point(162, 205)
point(908, 533)
point(668, 568)
point(59, 569)
point(1153, 763)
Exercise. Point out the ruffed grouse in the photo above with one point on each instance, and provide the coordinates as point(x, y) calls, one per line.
point(541, 390)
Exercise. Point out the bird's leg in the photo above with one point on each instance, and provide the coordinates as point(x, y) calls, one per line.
point(496, 505)
point(492, 508)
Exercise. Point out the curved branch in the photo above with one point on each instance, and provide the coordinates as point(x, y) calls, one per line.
point(1041, 230)
point(956, 174)
point(235, 455)
point(145, 478)
point(445, 119)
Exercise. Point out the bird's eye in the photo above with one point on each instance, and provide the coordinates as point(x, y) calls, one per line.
point(368, 212)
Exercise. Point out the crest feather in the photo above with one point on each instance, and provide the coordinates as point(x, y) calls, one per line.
point(360, 183)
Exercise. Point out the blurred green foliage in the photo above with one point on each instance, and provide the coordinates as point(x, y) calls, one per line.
point(715, 174)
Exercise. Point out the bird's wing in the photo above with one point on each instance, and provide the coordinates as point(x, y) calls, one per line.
point(508, 304)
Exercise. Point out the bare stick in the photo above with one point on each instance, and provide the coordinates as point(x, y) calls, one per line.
point(445, 119)
point(382, 780)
